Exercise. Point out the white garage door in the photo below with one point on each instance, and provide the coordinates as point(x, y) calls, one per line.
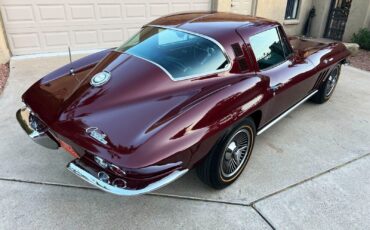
point(36, 26)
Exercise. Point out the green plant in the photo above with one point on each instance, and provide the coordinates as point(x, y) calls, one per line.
point(362, 38)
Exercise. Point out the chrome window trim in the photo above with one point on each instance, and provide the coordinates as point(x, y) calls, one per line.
point(227, 67)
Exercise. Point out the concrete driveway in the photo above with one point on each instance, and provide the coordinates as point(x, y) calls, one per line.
point(310, 171)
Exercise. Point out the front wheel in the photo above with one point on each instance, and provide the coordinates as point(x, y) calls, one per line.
point(228, 158)
point(327, 88)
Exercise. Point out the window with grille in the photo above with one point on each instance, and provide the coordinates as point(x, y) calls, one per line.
point(292, 9)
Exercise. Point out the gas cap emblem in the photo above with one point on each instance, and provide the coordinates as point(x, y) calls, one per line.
point(100, 79)
point(98, 135)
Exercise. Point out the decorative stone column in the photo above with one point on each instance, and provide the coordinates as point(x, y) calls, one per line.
point(4, 50)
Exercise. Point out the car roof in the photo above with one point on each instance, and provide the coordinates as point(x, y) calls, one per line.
point(213, 24)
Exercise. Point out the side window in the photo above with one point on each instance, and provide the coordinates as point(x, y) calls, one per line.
point(267, 48)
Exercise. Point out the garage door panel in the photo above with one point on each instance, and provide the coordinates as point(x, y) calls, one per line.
point(158, 9)
point(112, 36)
point(180, 6)
point(86, 37)
point(28, 41)
point(109, 11)
point(56, 39)
point(35, 26)
point(200, 6)
point(51, 12)
point(18, 14)
point(25, 40)
point(82, 12)
point(135, 10)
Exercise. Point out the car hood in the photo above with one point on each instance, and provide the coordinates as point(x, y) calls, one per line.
point(134, 105)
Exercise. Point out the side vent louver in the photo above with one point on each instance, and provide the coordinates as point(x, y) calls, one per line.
point(321, 78)
point(239, 57)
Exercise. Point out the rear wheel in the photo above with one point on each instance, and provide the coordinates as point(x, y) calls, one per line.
point(328, 87)
point(226, 161)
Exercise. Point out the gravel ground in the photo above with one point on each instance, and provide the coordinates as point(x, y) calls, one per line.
point(361, 60)
point(4, 74)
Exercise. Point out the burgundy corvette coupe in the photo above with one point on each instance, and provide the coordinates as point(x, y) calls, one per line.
point(189, 90)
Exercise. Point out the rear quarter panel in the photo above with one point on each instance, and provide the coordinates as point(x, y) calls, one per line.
point(212, 116)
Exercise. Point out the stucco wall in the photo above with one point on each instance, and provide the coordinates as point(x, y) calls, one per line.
point(367, 20)
point(357, 19)
point(275, 9)
point(319, 21)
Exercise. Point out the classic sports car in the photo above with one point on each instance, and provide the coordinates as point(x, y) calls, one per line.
point(189, 90)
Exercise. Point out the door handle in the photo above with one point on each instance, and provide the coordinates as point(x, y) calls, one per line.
point(276, 87)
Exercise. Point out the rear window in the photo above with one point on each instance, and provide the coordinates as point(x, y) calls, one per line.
point(182, 55)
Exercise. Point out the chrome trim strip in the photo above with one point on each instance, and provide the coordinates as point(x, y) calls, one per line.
point(80, 172)
point(285, 113)
point(227, 67)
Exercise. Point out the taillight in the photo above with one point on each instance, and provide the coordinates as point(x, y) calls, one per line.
point(101, 162)
point(114, 168)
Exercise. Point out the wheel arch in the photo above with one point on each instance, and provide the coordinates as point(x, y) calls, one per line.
point(256, 116)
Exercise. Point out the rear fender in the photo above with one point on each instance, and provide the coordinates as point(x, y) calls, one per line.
point(224, 111)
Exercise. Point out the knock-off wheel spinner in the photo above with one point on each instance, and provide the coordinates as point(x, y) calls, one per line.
point(235, 153)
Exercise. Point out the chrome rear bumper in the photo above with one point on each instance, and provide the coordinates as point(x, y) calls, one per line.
point(108, 186)
point(42, 138)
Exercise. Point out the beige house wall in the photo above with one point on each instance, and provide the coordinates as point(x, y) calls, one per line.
point(367, 20)
point(4, 50)
point(319, 21)
point(222, 5)
point(358, 18)
point(275, 9)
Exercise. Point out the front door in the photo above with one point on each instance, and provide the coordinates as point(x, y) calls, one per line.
point(290, 77)
point(337, 20)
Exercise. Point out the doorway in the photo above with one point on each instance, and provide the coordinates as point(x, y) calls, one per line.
point(337, 19)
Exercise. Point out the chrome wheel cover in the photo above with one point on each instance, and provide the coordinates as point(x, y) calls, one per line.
point(235, 153)
point(331, 82)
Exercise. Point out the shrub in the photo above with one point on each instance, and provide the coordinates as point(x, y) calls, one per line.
point(362, 38)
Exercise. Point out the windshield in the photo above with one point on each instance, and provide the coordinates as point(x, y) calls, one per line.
point(180, 54)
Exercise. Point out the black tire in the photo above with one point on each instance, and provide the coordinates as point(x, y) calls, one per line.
point(213, 170)
point(327, 88)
